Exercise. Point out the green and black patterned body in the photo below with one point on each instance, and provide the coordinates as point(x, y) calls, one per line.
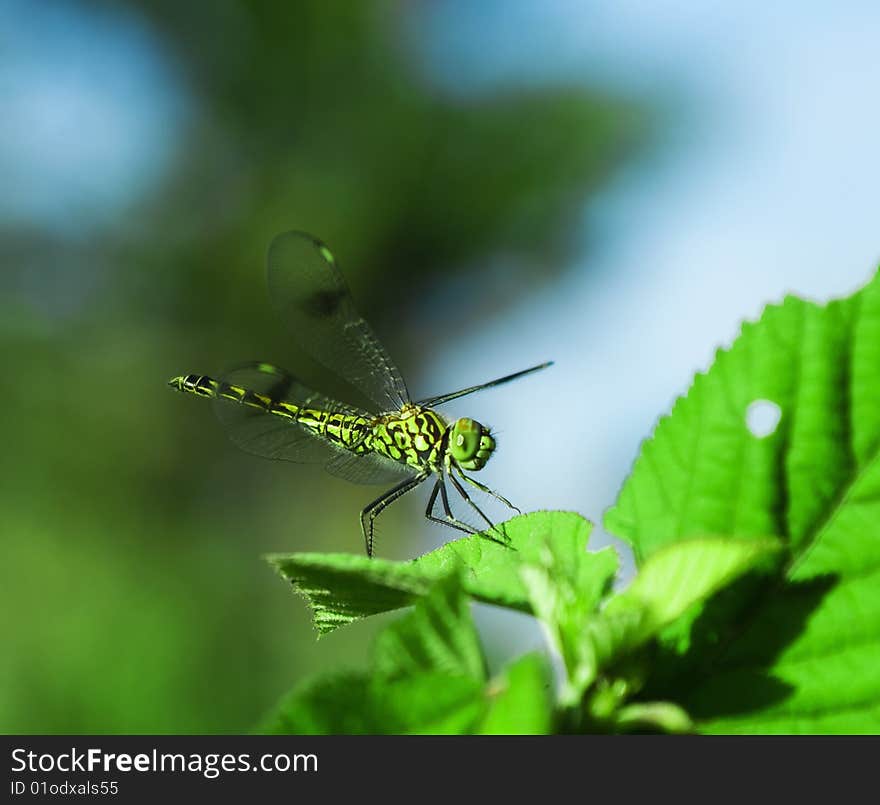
point(336, 428)
point(415, 437)
point(269, 413)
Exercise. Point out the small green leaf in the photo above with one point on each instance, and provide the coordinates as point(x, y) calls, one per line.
point(654, 716)
point(341, 588)
point(329, 704)
point(428, 676)
point(359, 704)
point(565, 584)
point(683, 574)
point(437, 636)
point(609, 634)
point(520, 699)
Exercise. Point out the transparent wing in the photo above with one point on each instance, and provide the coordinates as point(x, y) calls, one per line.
point(309, 292)
point(370, 468)
point(256, 431)
point(252, 428)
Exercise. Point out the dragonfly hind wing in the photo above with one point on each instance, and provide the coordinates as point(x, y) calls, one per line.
point(242, 402)
point(367, 468)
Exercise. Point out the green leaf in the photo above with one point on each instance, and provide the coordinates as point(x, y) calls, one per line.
point(520, 699)
point(358, 704)
point(671, 583)
point(566, 584)
point(801, 654)
point(682, 574)
point(437, 636)
point(517, 702)
point(654, 716)
point(427, 676)
point(341, 588)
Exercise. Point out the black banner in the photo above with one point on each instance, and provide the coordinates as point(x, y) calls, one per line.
point(144, 768)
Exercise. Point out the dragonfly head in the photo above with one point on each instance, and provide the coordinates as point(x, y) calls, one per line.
point(470, 444)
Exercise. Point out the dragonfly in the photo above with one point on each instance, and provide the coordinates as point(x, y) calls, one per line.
point(268, 412)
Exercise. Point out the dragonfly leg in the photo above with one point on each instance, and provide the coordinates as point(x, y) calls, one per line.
point(450, 519)
point(371, 512)
point(484, 488)
point(492, 527)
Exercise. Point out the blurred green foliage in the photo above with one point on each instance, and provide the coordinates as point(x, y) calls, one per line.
point(133, 597)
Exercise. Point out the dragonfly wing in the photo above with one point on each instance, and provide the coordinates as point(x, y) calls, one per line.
point(369, 468)
point(260, 433)
point(311, 295)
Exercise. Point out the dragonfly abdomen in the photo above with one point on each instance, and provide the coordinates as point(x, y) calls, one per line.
point(346, 430)
point(204, 386)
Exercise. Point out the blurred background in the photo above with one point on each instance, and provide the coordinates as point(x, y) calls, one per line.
point(612, 186)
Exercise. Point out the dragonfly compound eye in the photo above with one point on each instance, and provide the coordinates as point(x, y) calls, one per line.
point(470, 444)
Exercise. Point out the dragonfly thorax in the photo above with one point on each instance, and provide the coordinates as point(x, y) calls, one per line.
point(470, 444)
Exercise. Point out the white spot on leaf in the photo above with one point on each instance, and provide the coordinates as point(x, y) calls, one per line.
point(762, 418)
